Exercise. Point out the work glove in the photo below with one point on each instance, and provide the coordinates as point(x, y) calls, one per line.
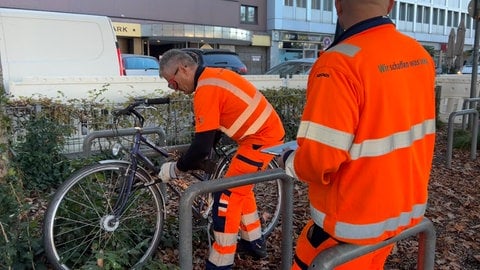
point(167, 171)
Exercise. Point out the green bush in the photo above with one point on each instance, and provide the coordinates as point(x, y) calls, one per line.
point(38, 156)
point(20, 225)
point(462, 139)
point(289, 105)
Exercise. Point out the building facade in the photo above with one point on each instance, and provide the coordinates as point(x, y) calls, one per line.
point(300, 28)
point(263, 32)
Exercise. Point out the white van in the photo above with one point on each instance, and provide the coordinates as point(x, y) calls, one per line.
point(38, 44)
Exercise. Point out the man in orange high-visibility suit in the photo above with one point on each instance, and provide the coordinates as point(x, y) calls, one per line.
point(366, 137)
point(225, 101)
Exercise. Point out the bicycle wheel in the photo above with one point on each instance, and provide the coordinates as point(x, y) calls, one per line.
point(268, 194)
point(79, 228)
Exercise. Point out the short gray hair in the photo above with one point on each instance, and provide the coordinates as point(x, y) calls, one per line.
point(175, 57)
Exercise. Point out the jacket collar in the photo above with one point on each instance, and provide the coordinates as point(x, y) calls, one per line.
point(198, 72)
point(360, 27)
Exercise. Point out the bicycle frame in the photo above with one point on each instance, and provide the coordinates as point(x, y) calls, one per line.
point(136, 155)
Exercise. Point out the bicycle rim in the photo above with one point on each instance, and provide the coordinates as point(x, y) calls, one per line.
point(269, 199)
point(79, 228)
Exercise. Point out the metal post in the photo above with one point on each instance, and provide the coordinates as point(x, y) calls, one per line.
point(473, 145)
point(342, 253)
point(473, 83)
point(426, 245)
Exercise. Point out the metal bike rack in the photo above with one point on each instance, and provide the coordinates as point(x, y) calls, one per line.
point(87, 141)
point(467, 104)
point(473, 144)
point(186, 201)
point(343, 253)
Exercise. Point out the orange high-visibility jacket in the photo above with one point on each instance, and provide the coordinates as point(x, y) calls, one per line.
point(367, 134)
point(228, 102)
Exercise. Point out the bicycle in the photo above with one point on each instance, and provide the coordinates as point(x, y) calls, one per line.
point(117, 207)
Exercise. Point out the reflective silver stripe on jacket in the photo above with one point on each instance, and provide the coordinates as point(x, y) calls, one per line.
point(346, 49)
point(372, 230)
point(323, 134)
point(369, 148)
point(252, 104)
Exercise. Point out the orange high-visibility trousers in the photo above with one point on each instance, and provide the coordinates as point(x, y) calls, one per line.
point(235, 209)
point(313, 240)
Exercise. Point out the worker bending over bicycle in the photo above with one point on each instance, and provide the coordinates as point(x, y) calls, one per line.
point(225, 101)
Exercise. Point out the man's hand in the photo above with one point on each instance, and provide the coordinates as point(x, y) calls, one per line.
point(168, 171)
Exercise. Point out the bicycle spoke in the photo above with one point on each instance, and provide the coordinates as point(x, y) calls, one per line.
point(76, 250)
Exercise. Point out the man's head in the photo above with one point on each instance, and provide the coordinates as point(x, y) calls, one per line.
point(350, 12)
point(178, 68)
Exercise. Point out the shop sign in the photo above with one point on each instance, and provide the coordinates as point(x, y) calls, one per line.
point(301, 37)
point(127, 29)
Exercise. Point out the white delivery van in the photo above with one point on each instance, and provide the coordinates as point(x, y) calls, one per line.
point(38, 44)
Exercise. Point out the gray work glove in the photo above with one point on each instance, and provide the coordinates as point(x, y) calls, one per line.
point(168, 171)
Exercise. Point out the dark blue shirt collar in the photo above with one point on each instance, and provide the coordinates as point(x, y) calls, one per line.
point(360, 27)
point(198, 72)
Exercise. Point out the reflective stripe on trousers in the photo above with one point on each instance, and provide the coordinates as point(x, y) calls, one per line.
point(235, 209)
point(313, 240)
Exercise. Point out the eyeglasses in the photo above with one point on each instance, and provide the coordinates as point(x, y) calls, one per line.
point(172, 84)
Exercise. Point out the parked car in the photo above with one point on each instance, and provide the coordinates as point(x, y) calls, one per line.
point(219, 58)
point(140, 65)
point(292, 67)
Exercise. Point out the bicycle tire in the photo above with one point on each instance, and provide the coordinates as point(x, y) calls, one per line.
point(268, 194)
point(76, 229)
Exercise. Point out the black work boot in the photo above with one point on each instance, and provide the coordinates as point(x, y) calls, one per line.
point(256, 249)
point(211, 266)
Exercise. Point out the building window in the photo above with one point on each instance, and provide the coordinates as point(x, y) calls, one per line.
point(328, 5)
point(468, 22)
point(419, 14)
point(426, 15)
point(302, 3)
point(423, 14)
point(449, 18)
point(410, 11)
point(441, 17)
point(435, 16)
point(403, 11)
point(393, 12)
point(248, 14)
point(288, 3)
point(315, 4)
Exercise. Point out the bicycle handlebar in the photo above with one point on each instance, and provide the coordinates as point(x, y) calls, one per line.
point(130, 109)
point(144, 101)
point(153, 101)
